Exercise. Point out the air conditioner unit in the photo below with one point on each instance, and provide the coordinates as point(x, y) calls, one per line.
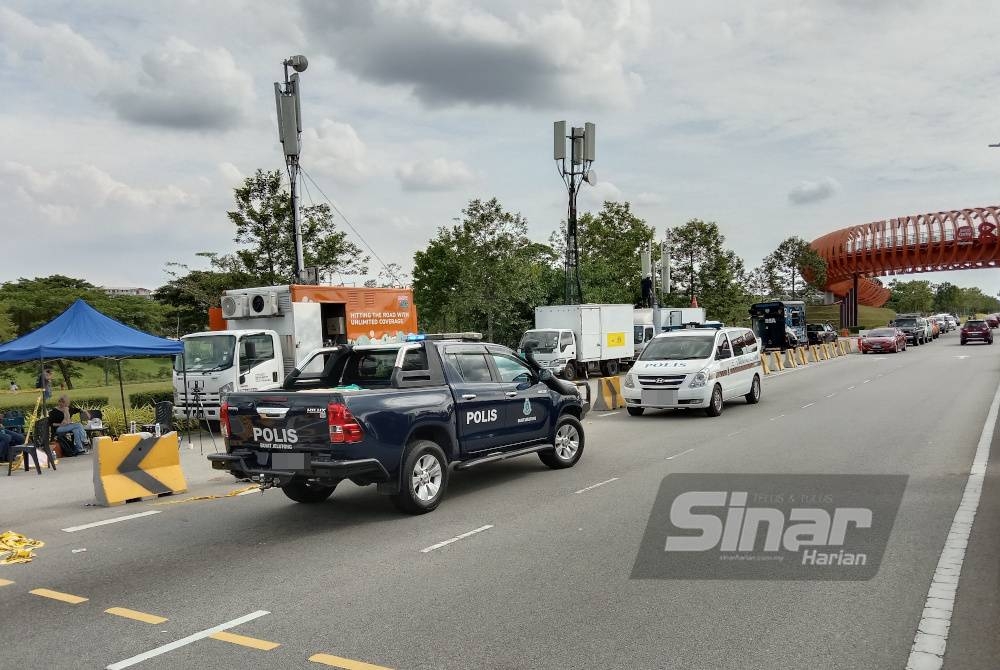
point(234, 306)
point(263, 304)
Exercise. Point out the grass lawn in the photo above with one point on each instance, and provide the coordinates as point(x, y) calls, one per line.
point(27, 397)
point(868, 317)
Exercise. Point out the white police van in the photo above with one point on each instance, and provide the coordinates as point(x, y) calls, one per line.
point(695, 368)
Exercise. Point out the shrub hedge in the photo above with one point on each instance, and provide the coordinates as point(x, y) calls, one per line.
point(150, 398)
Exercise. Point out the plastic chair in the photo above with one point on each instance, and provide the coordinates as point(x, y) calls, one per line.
point(163, 417)
point(14, 420)
point(39, 440)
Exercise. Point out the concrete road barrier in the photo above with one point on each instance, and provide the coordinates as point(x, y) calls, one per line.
point(765, 364)
point(136, 467)
point(609, 394)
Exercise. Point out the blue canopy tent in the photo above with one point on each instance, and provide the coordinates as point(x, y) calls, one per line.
point(83, 332)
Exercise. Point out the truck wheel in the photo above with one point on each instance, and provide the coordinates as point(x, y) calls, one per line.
point(568, 444)
point(715, 404)
point(635, 411)
point(609, 368)
point(754, 396)
point(424, 478)
point(569, 372)
point(302, 491)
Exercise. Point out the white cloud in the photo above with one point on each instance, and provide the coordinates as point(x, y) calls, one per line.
point(593, 197)
point(183, 87)
point(335, 148)
point(807, 192)
point(57, 48)
point(520, 54)
point(61, 195)
point(649, 199)
point(230, 173)
point(437, 174)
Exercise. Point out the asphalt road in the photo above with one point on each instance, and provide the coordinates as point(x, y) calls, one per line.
point(545, 583)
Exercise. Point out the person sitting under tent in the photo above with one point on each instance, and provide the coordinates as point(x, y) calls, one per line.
point(61, 416)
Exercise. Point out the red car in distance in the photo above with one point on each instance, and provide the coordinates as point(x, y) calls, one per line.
point(882, 340)
point(976, 329)
point(993, 320)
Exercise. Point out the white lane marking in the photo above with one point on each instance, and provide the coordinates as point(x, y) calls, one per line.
point(775, 418)
point(831, 395)
point(128, 662)
point(617, 411)
point(686, 451)
point(961, 357)
point(867, 381)
point(455, 539)
point(851, 388)
point(73, 529)
point(594, 486)
point(931, 637)
point(807, 405)
point(734, 433)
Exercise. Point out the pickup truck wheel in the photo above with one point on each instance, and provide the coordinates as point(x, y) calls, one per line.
point(568, 444)
point(635, 411)
point(302, 491)
point(425, 478)
point(715, 404)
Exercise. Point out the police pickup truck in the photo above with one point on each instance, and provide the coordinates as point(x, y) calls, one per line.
point(400, 416)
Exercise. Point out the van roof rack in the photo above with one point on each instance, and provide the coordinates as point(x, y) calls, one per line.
point(465, 337)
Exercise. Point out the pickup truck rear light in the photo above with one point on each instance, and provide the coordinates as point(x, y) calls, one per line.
point(224, 419)
point(344, 428)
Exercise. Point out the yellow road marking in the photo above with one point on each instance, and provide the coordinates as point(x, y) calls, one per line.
point(138, 616)
point(251, 642)
point(345, 663)
point(58, 595)
point(5, 582)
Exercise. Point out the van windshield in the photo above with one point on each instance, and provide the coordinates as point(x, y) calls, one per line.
point(542, 341)
point(687, 348)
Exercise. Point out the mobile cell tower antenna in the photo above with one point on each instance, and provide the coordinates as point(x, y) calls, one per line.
point(582, 142)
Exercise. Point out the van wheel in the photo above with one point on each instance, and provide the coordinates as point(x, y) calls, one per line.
point(303, 491)
point(569, 372)
point(635, 411)
point(754, 396)
point(715, 404)
point(424, 478)
point(568, 444)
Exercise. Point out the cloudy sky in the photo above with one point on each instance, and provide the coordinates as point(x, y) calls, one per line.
point(126, 125)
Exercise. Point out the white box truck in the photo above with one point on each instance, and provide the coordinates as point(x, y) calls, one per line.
point(571, 340)
point(259, 334)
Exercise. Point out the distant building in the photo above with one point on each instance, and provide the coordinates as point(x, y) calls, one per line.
point(127, 290)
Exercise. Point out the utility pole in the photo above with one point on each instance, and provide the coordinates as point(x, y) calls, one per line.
point(288, 102)
point(582, 152)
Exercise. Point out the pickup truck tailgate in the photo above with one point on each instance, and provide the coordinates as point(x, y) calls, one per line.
point(279, 422)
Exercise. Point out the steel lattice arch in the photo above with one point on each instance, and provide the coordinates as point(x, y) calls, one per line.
point(962, 239)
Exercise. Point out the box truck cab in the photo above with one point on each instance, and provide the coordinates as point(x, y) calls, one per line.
point(258, 335)
point(695, 368)
point(572, 340)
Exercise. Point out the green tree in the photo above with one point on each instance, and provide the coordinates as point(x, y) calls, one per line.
point(482, 274)
point(911, 296)
point(190, 293)
point(610, 243)
point(263, 220)
point(703, 268)
point(793, 267)
point(946, 297)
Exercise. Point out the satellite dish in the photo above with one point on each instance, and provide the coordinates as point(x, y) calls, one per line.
point(592, 178)
point(298, 63)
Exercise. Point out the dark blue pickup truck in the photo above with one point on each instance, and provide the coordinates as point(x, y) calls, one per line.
point(400, 416)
